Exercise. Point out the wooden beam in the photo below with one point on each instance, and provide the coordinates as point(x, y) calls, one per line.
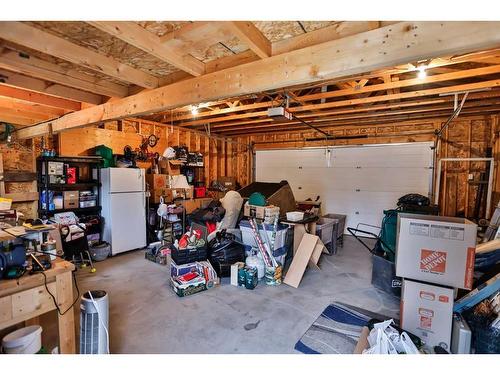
point(31, 37)
point(231, 61)
point(31, 66)
point(390, 119)
point(20, 105)
point(249, 34)
point(35, 97)
point(22, 113)
point(357, 101)
point(135, 35)
point(384, 111)
point(388, 46)
point(22, 197)
point(35, 84)
point(353, 90)
point(325, 34)
point(195, 37)
point(14, 176)
point(16, 119)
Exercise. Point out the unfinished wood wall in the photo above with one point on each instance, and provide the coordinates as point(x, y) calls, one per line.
point(465, 137)
point(20, 157)
point(222, 157)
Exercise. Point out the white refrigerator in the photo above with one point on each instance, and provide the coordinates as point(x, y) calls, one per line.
point(123, 208)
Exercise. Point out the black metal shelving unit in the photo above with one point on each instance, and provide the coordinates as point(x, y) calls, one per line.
point(43, 182)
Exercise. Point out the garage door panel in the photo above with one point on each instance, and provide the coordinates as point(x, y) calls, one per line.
point(365, 202)
point(374, 179)
point(398, 156)
point(360, 182)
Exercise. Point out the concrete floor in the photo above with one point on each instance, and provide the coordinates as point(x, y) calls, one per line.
point(147, 317)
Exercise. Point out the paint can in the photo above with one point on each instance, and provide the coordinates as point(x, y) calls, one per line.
point(251, 279)
point(241, 276)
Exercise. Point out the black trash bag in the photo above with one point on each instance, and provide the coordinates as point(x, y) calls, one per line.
point(223, 251)
point(413, 200)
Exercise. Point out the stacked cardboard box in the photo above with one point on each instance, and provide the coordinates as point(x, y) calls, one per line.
point(434, 255)
point(159, 186)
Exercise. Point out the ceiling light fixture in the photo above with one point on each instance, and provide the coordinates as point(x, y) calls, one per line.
point(422, 71)
point(194, 110)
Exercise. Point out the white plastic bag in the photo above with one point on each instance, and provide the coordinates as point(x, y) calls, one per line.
point(384, 339)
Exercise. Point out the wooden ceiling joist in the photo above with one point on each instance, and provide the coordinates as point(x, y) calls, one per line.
point(196, 36)
point(16, 120)
point(385, 47)
point(31, 37)
point(24, 113)
point(358, 89)
point(38, 85)
point(135, 35)
point(36, 97)
point(249, 34)
point(231, 61)
point(325, 34)
point(357, 101)
point(385, 113)
point(20, 105)
point(35, 67)
point(367, 122)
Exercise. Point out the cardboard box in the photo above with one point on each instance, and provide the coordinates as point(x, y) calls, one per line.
point(156, 181)
point(192, 204)
point(71, 199)
point(71, 175)
point(174, 167)
point(189, 193)
point(55, 168)
point(166, 193)
point(258, 212)
point(194, 286)
point(427, 311)
point(436, 249)
point(362, 343)
point(228, 182)
point(182, 269)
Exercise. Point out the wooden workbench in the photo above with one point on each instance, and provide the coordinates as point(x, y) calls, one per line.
point(26, 298)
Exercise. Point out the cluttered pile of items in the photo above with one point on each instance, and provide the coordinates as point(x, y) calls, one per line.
point(449, 288)
point(250, 236)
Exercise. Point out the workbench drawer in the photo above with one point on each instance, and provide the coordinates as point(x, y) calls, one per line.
point(26, 304)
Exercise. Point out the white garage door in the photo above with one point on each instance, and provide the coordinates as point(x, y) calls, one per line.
point(359, 181)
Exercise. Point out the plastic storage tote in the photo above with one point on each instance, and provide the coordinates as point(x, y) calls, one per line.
point(337, 232)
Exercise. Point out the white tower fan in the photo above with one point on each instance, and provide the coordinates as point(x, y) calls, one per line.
point(94, 312)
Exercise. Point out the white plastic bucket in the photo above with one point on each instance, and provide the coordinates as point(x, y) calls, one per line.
point(27, 340)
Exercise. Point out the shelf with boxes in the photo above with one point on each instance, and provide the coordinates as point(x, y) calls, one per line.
point(68, 184)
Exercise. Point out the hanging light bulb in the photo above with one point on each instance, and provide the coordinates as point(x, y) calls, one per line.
point(194, 110)
point(422, 71)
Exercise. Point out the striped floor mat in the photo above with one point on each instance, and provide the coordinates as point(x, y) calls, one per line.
point(336, 331)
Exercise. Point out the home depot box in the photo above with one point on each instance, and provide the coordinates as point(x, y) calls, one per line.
point(427, 311)
point(436, 249)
